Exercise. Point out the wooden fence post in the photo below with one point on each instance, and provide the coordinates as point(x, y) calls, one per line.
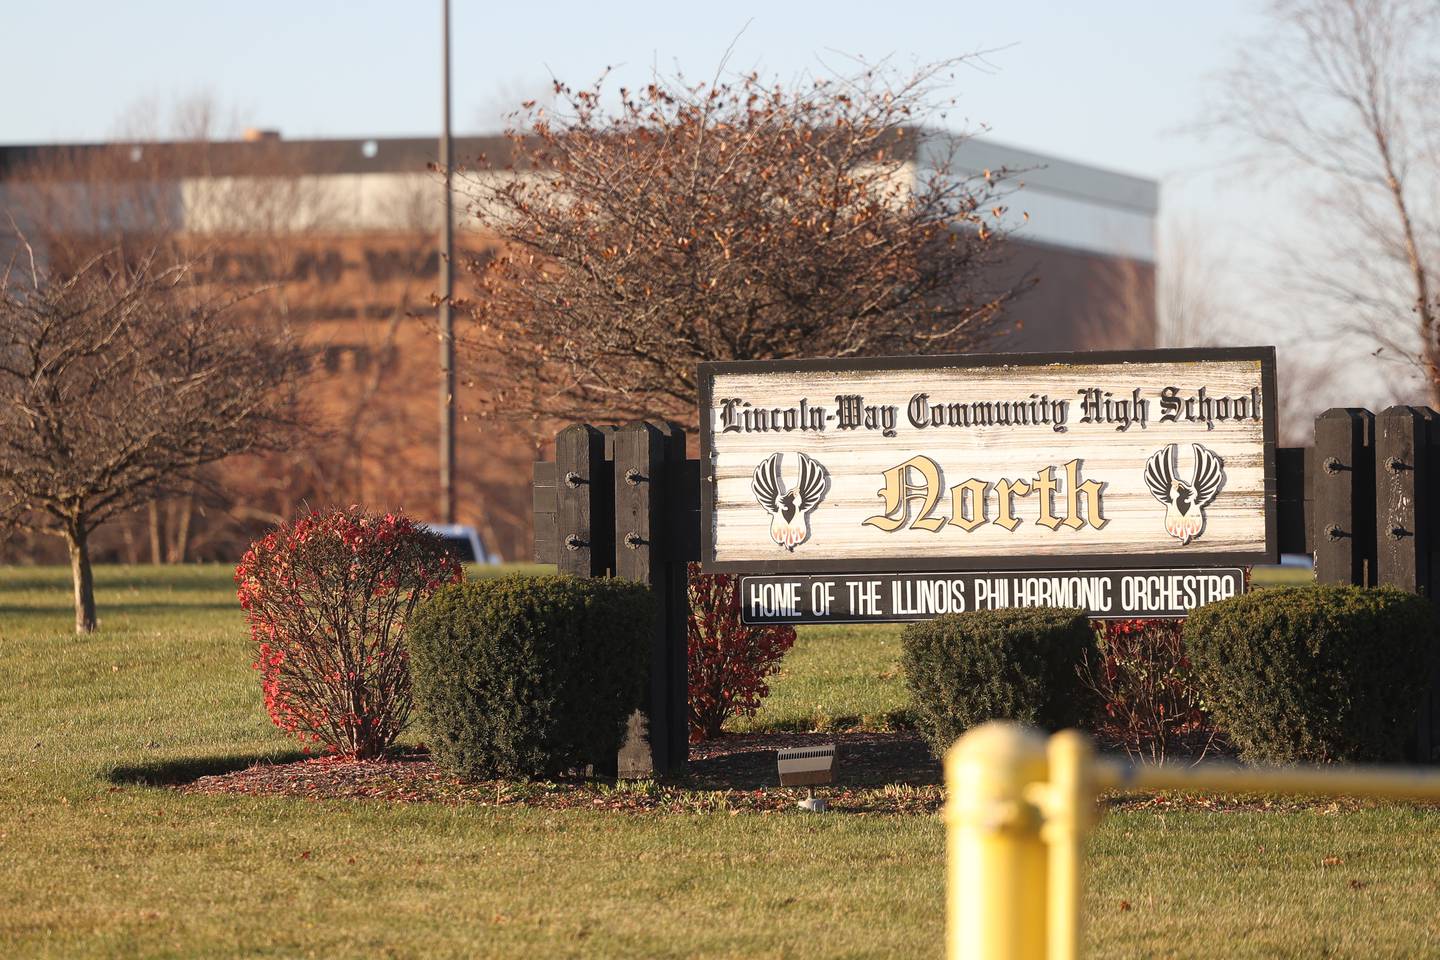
point(627, 502)
point(646, 466)
point(1402, 468)
point(584, 527)
point(1342, 488)
point(640, 555)
point(1405, 536)
point(1293, 510)
point(681, 499)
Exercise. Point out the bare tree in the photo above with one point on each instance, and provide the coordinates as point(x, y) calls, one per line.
point(1191, 288)
point(1343, 93)
point(721, 221)
point(118, 381)
point(178, 188)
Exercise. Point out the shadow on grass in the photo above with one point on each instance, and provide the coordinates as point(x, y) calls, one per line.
point(106, 581)
point(171, 608)
point(175, 608)
point(173, 773)
point(747, 761)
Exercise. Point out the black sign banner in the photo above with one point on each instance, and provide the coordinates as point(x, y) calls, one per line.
point(900, 597)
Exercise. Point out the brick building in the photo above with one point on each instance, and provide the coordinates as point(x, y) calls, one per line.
point(338, 237)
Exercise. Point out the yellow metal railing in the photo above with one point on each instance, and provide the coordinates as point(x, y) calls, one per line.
point(1019, 811)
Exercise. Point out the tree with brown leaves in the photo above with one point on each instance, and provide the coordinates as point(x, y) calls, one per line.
point(730, 220)
point(117, 383)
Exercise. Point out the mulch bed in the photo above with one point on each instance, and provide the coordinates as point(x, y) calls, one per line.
point(876, 773)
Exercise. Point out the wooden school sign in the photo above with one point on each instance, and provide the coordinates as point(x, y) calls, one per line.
point(996, 465)
point(627, 501)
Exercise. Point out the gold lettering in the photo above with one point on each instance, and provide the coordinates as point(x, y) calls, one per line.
point(1073, 490)
point(918, 480)
point(1005, 492)
point(1045, 486)
point(977, 490)
point(899, 491)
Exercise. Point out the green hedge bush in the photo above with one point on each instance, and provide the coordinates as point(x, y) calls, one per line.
point(1316, 673)
point(965, 668)
point(529, 676)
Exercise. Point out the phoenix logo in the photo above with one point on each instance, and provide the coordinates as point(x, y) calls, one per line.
point(1185, 503)
point(789, 509)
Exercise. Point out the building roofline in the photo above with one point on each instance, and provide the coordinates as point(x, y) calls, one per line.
point(371, 155)
point(319, 157)
point(1049, 173)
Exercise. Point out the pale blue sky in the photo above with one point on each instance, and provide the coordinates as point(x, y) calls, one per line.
point(1116, 83)
point(1111, 82)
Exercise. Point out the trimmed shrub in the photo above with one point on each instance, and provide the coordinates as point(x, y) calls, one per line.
point(1315, 673)
point(729, 661)
point(965, 668)
point(1147, 700)
point(326, 597)
point(529, 676)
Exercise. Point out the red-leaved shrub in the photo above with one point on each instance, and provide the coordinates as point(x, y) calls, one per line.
point(327, 596)
point(728, 660)
point(1149, 704)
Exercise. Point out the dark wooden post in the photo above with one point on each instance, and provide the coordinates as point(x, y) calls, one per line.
point(626, 502)
point(648, 458)
point(1402, 468)
point(1292, 498)
point(681, 501)
point(584, 528)
point(640, 555)
point(1342, 490)
point(1405, 535)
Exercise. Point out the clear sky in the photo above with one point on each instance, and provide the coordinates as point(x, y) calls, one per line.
point(1110, 82)
point(1120, 84)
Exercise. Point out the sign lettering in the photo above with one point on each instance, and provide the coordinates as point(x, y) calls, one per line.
point(899, 597)
point(1157, 458)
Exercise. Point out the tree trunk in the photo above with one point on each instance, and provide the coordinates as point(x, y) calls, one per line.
point(180, 545)
point(79, 542)
point(1430, 356)
point(152, 510)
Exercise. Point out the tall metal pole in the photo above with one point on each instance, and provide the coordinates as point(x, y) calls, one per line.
point(447, 326)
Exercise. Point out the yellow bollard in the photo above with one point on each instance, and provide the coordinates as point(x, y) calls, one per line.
point(1070, 813)
point(1019, 812)
point(996, 857)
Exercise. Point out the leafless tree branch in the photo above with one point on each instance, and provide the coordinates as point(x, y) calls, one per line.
point(119, 380)
point(1343, 91)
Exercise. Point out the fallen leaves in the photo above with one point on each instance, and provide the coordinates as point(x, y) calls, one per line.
point(883, 774)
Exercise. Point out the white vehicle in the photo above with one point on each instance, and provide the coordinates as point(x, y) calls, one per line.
point(462, 541)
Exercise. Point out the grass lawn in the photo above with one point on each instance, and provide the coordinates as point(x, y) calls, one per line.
point(93, 865)
point(1281, 576)
point(836, 678)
